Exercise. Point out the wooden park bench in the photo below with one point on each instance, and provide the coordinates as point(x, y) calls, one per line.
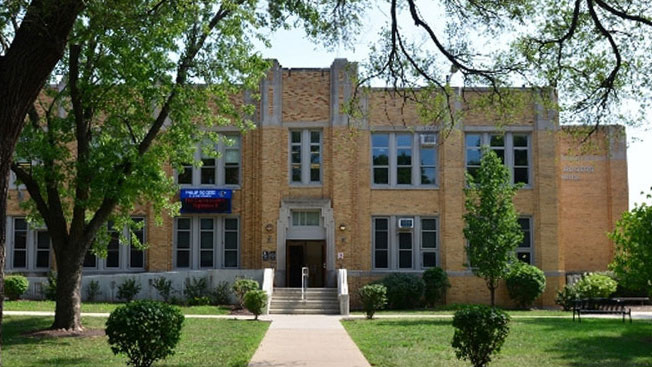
point(601, 306)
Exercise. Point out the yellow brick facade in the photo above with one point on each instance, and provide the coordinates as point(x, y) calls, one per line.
point(574, 199)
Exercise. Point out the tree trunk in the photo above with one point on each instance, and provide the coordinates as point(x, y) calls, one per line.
point(67, 313)
point(493, 296)
point(4, 182)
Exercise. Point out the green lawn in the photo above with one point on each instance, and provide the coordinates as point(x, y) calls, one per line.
point(435, 312)
point(203, 343)
point(531, 342)
point(26, 305)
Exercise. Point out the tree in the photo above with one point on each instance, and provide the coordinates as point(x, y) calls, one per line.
point(32, 40)
point(593, 52)
point(492, 228)
point(633, 256)
point(129, 106)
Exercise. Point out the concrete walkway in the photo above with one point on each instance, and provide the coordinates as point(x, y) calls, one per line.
point(307, 340)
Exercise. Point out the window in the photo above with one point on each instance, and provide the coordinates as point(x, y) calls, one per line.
point(206, 242)
point(305, 156)
point(231, 243)
point(28, 248)
point(305, 218)
point(429, 242)
point(381, 243)
point(403, 159)
point(513, 149)
point(20, 244)
point(525, 250)
point(214, 171)
point(401, 247)
point(118, 256)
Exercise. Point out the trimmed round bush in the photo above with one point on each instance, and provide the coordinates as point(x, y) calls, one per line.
point(596, 286)
point(525, 283)
point(403, 290)
point(480, 332)
point(145, 331)
point(567, 296)
point(373, 297)
point(255, 301)
point(435, 285)
point(243, 285)
point(15, 286)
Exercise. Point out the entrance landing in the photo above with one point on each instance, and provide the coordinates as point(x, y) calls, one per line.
point(307, 340)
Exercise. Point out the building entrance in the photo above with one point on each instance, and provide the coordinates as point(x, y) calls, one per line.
point(308, 254)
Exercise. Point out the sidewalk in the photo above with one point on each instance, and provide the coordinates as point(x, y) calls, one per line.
point(307, 340)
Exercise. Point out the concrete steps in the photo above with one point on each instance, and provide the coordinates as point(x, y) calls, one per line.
point(318, 301)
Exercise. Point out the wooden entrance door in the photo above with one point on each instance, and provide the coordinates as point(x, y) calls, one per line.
point(308, 254)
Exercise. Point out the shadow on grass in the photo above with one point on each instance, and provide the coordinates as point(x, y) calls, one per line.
point(404, 322)
point(598, 342)
point(13, 328)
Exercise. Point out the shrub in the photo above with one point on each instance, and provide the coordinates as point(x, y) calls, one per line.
point(480, 332)
point(525, 283)
point(196, 288)
point(93, 290)
point(163, 287)
point(50, 290)
point(255, 301)
point(241, 286)
point(15, 286)
point(566, 297)
point(199, 301)
point(374, 298)
point(595, 286)
point(435, 285)
point(128, 289)
point(145, 331)
point(222, 294)
point(403, 290)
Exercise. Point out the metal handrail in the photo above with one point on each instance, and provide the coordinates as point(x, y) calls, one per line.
point(304, 282)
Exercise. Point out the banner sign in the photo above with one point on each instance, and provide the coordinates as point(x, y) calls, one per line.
point(205, 201)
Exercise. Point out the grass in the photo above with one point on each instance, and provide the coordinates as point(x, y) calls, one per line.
point(103, 307)
point(531, 342)
point(203, 343)
point(435, 312)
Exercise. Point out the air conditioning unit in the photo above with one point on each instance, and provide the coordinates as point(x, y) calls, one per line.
point(428, 139)
point(405, 223)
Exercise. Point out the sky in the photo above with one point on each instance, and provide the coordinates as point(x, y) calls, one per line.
point(292, 50)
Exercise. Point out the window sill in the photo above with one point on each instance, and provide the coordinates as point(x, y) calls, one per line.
point(410, 188)
point(305, 186)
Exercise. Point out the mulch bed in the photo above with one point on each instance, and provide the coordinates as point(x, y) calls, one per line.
point(236, 311)
point(64, 333)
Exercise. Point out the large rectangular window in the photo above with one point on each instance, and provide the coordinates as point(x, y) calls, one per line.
point(120, 256)
point(525, 249)
point(305, 156)
point(381, 243)
point(513, 149)
point(429, 246)
point(136, 255)
point(218, 167)
point(42, 249)
point(20, 244)
point(206, 242)
point(403, 159)
point(305, 218)
point(183, 242)
point(231, 245)
point(404, 243)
